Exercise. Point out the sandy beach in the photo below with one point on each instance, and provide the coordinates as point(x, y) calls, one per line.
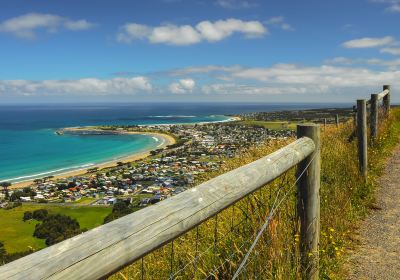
point(164, 139)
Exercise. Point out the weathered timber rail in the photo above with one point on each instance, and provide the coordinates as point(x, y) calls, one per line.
point(362, 119)
point(108, 248)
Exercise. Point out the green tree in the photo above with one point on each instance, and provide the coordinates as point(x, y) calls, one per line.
point(40, 214)
point(27, 216)
point(56, 228)
point(37, 181)
point(26, 192)
point(5, 186)
point(120, 209)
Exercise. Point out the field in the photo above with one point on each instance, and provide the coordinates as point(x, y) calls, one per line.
point(84, 201)
point(274, 125)
point(17, 235)
point(214, 249)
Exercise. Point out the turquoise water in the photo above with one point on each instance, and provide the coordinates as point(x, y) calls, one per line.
point(29, 148)
point(39, 153)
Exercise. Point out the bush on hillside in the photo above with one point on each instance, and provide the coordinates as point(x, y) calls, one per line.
point(40, 214)
point(120, 209)
point(56, 228)
point(27, 216)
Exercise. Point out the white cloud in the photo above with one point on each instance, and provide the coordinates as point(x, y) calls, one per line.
point(279, 79)
point(393, 5)
point(279, 22)
point(329, 76)
point(236, 4)
point(392, 64)
point(305, 81)
point(288, 75)
point(369, 42)
point(243, 89)
point(82, 24)
point(26, 26)
point(340, 60)
point(286, 79)
point(276, 20)
point(175, 35)
point(394, 51)
point(394, 8)
point(187, 35)
point(182, 86)
point(203, 70)
point(89, 86)
point(221, 29)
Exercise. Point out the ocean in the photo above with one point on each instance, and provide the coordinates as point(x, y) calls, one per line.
point(29, 147)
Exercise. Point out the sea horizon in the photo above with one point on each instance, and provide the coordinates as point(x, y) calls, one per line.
point(30, 148)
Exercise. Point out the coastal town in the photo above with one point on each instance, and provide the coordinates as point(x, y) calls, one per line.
point(321, 116)
point(198, 149)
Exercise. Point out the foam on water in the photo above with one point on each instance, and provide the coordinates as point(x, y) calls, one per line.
point(30, 149)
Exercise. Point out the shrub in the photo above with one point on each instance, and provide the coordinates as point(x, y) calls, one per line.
point(56, 228)
point(27, 216)
point(120, 209)
point(40, 214)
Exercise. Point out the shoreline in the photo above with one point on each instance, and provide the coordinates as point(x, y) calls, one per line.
point(165, 141)
point(164, 138)
point(230, 119)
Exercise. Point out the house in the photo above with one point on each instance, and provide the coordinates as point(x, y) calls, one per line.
point(38, 196)
point(112, 201)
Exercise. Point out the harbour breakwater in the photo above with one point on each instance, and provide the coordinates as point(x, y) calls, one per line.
point(79, 131)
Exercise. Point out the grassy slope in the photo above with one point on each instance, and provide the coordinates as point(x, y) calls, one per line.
point(17, 235)
point(345, 200)
point(274, 125)
point(84, 201)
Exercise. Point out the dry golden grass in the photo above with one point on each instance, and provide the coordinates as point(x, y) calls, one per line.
point(215, 249)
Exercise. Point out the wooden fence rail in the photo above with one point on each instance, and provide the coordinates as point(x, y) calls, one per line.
point(361, 123)
point(108, 248)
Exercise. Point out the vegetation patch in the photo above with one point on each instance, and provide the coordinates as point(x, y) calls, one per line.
point(273, 125)
point(56, 228)
point(119, 210)
point(17, 235)
point(215, 248)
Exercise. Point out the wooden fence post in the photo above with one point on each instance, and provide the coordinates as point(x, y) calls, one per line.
point(374, 116)
point(324, 123)
point(337, 120)
point(355, 116)
point(308, 204)
point(362, 135)
point(386, 100)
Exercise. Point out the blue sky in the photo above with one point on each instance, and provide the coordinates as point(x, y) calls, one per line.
point(200, 50)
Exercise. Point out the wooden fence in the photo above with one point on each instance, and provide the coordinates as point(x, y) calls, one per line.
point(106, 249)
point(372, 115)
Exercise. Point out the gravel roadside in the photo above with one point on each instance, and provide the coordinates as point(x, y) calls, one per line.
point(378, 254)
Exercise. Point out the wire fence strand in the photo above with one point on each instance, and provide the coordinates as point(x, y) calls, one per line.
point(272, 213)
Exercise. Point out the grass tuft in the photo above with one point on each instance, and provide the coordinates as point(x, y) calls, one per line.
point(220, 244)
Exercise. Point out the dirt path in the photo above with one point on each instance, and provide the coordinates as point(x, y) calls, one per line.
point(378, 255)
